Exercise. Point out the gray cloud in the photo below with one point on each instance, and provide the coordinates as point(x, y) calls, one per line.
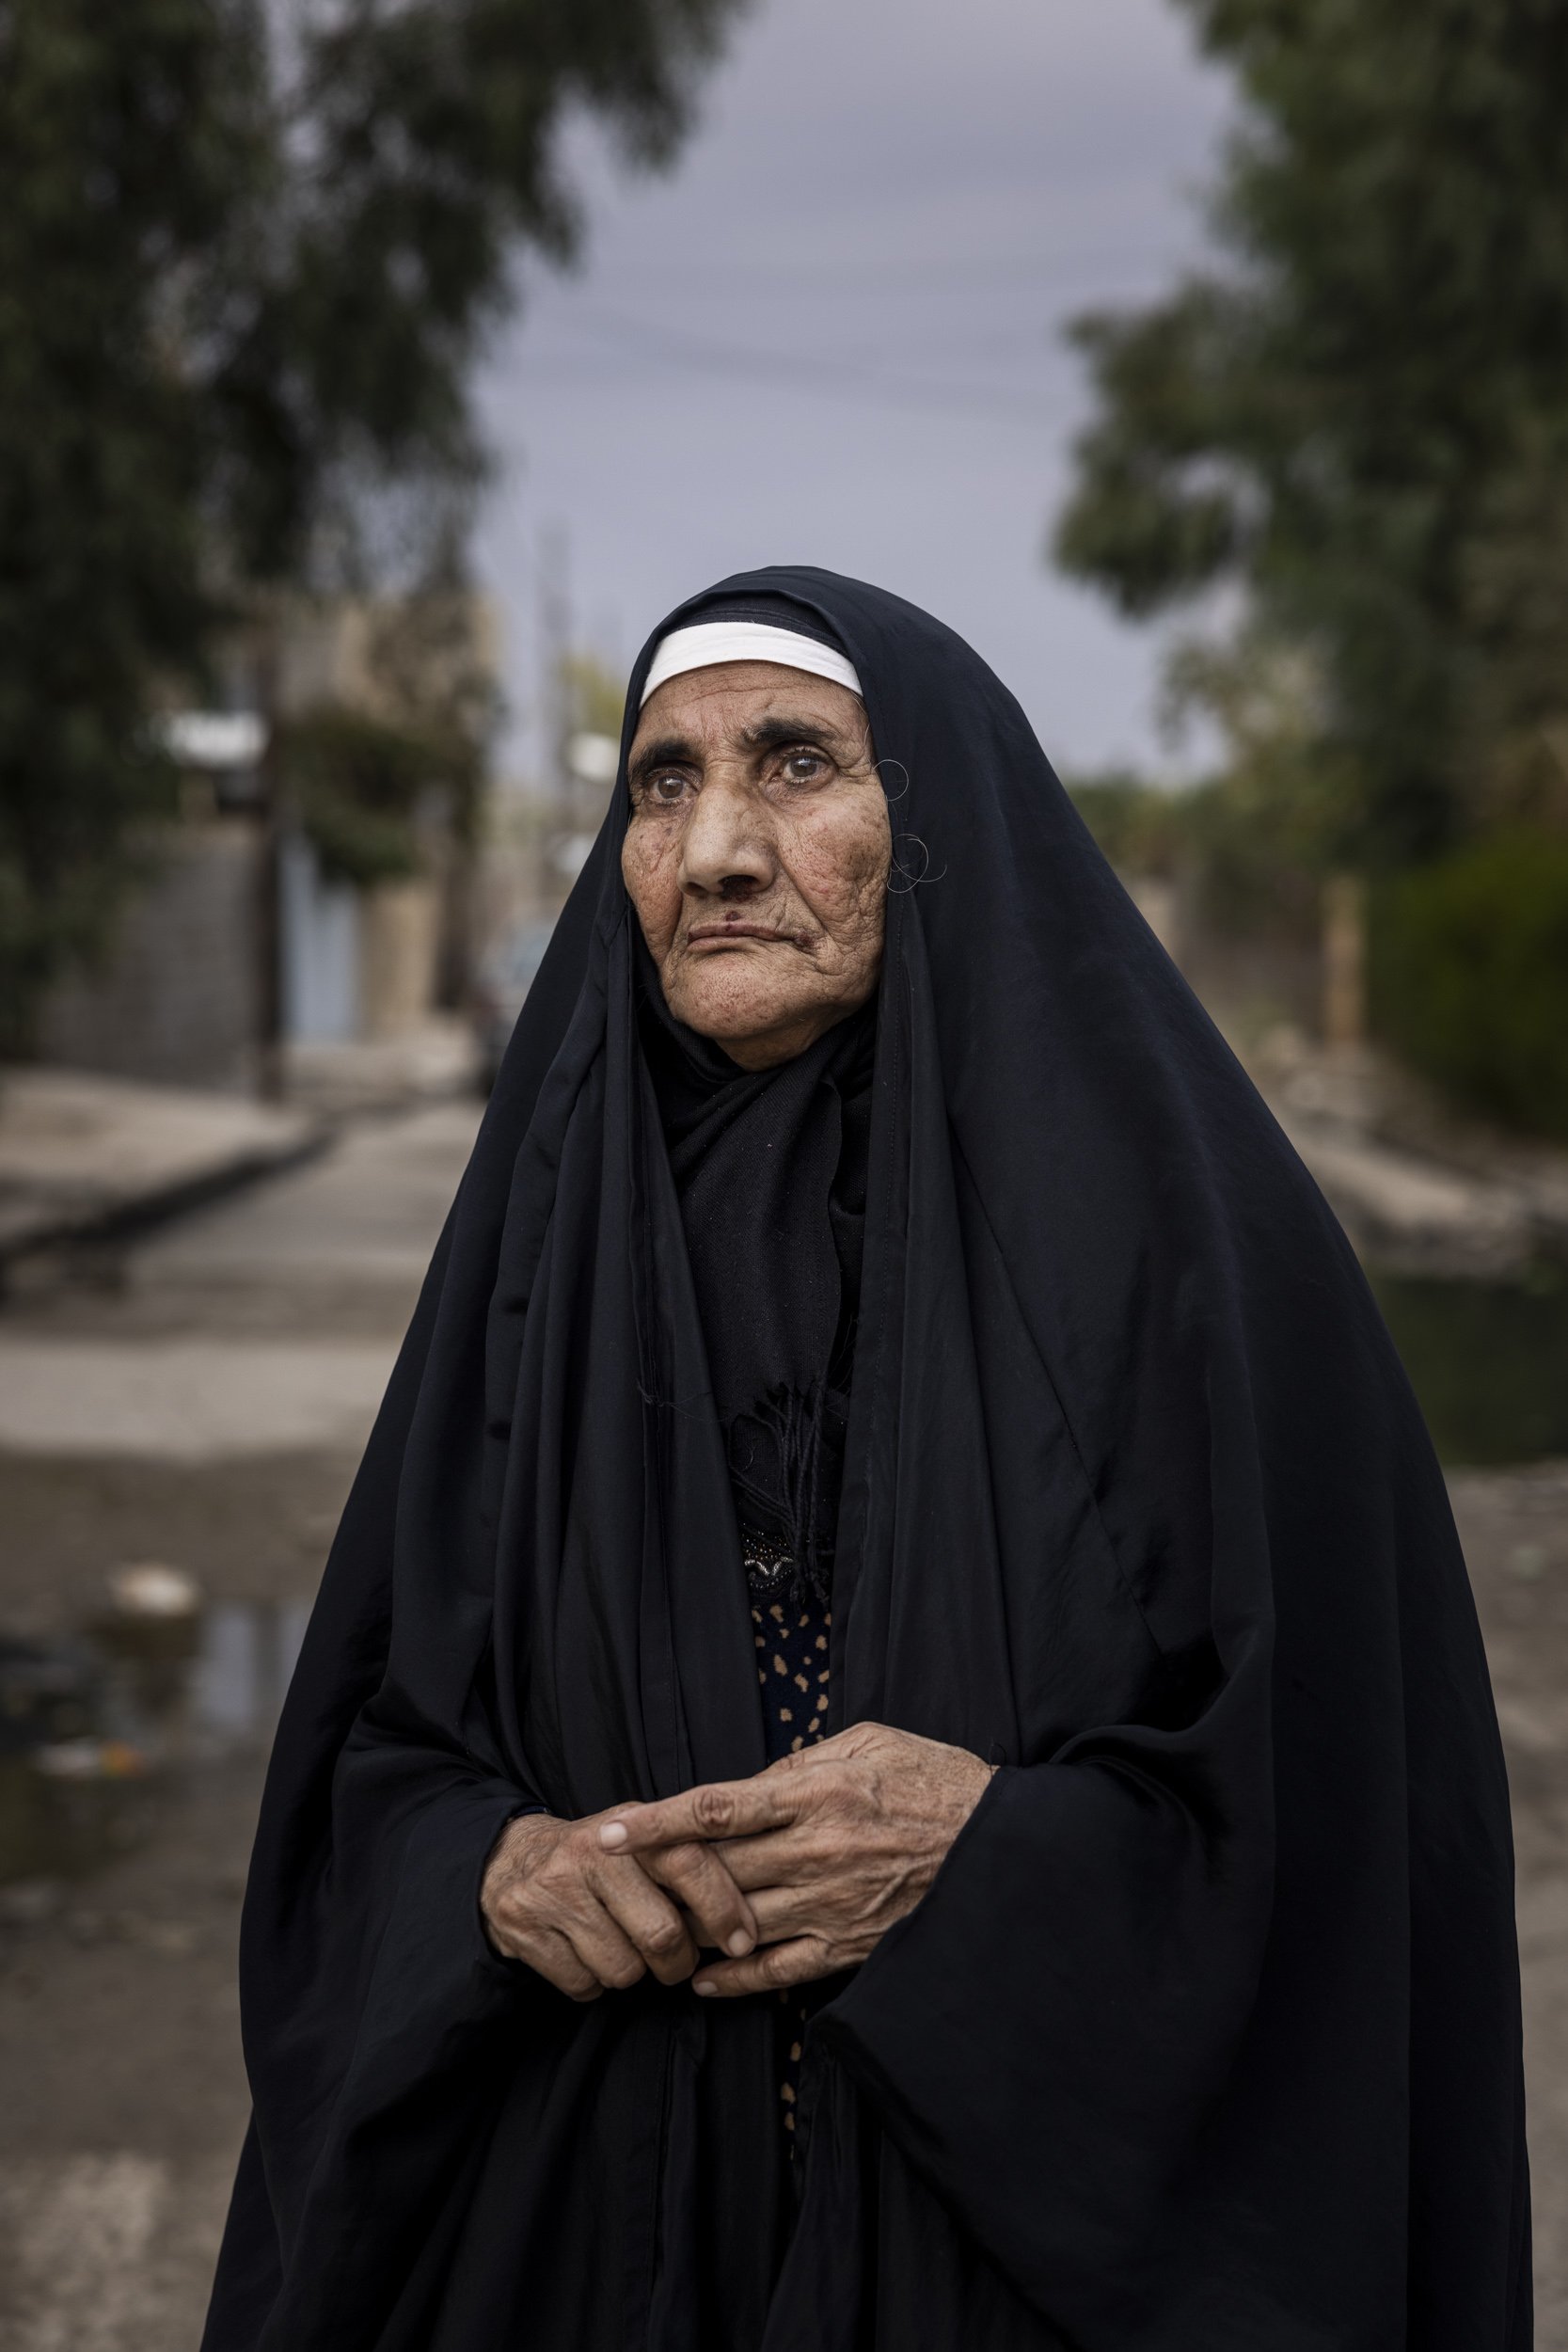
point(833, 335)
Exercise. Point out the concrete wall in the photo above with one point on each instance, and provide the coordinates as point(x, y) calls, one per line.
point(176, 998)
point(399, 942)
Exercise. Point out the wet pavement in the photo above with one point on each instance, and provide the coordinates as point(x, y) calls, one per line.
point(190, 1407)
point(119, 2015)
point(122, 1862)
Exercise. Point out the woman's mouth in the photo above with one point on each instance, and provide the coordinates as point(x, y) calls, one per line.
point(708, 937)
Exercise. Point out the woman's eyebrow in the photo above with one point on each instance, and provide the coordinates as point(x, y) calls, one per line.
point(670, 751)
point(772, 735)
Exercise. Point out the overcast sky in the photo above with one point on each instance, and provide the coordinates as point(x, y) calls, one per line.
point(833, 335)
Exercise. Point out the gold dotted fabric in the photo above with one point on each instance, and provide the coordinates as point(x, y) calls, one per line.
point(792, 1671)
point(792, 1640)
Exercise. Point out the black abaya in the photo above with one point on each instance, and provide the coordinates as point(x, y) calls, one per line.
point(1206, 2038)
point(769, 1169)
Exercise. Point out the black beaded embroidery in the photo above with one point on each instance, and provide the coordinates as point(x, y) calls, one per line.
point(792, 1627)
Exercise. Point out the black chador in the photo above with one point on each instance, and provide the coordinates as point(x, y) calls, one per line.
point(1206, 2038)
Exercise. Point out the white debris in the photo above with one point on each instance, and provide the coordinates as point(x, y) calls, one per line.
point(147, 1588)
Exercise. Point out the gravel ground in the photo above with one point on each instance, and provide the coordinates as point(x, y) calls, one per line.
point(119, 2027)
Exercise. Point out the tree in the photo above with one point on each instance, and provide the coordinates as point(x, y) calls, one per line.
point(247, 257)
point(125, 146)
point(372, 777)
point(1362, 415)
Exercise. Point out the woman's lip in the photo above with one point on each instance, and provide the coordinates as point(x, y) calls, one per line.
point(715, 934)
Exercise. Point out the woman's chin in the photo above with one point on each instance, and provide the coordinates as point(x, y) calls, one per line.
point(728, 1014)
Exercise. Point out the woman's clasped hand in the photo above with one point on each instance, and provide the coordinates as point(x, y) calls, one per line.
point(794, 1874)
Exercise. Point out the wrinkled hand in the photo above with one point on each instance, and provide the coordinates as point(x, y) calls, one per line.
point(833, 1844)
point(590, 1921)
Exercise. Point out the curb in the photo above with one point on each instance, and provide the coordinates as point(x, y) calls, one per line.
point(88, 1223)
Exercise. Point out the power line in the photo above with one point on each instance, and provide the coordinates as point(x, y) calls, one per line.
point(710, 281)
point(840, 379)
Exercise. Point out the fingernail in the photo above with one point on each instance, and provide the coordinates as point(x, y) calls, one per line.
point(612, 1834)
point(738, 1945)
point(704, 1986)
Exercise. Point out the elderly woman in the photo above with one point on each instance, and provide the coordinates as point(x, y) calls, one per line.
point(893, 1752)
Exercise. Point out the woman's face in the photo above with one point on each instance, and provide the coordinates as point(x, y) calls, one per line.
point(756, 854)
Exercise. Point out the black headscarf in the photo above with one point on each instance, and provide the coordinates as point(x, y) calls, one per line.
point(1206, 2038)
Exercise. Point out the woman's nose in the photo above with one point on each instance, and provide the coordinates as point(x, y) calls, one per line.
point(727, 841)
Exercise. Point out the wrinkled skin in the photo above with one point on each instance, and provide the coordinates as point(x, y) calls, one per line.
point(834, 1844)
point(756, 855)
point(591, 1920)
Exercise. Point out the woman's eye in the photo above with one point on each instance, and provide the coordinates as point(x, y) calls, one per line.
point(804, 767)
point(666, 790)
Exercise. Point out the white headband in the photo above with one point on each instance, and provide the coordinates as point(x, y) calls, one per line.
point(709, 642)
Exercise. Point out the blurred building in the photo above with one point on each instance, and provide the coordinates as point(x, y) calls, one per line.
point(244, 936)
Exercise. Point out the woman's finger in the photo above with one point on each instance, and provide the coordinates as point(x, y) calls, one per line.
point(720, 1808)
point(702, 1883)
point(800, 1962)
point(781, 1857)
point(783, 1913)
point(606, 1948)
point(550, 1955)
point(646, 1918)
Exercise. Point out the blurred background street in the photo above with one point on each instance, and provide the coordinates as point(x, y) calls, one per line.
point(371, 380)
point(199, 1407)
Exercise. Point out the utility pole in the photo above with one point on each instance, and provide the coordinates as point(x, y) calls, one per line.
point(269, 872)
point(555, 644)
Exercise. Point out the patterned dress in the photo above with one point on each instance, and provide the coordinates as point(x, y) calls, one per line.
point(791, 1626)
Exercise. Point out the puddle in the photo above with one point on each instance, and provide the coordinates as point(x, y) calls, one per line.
point(186, 1688)
point(92, 1726)
point(243, 1667)
point(1488, 1360)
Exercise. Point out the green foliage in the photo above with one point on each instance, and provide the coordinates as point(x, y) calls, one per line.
point(1141, 829)
point(418, 145)
point(125, 136)
point(1230, 841)
point(1250, 878)
point(359, 786)
point(1470, 976)
point(247, 259)
point(1362, 417)
point(368, 782)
